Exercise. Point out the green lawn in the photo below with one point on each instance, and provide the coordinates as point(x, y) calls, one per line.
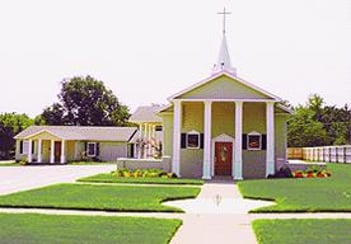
point(90, 163)
point(304, 195)
point(9, 163)
point(37, 229)
point(109, 178)
point(301, 231)
point(100, 197)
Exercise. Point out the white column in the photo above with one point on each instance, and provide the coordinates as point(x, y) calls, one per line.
point(52, 152)
point(177, 124)
point(18, 145)
point(63, 152)
point(40, 158)
point(30, 158)
point(206, 168)
point(146, 139)
point(150, 140)
point(238, 152)
point(153, 135)
point(270, 138)
point(141, 141)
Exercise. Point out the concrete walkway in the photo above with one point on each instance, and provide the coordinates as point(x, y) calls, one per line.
point(217, 215)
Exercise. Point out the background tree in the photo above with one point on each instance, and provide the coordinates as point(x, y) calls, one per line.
point(304, 130)
point(85, 101)
point(10, 125)
point(316, 124)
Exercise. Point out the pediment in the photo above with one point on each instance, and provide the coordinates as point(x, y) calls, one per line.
point(224, 87)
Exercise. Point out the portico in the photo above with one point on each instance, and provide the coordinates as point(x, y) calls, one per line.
point(45, 148)
point(209, 143)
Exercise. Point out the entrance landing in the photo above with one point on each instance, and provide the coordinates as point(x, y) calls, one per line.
point(219, 197)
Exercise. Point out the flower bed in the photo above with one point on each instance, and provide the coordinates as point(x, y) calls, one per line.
point(313, 172)
point(143, 173)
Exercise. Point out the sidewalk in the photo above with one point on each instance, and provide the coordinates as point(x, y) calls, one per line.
point(217, 215)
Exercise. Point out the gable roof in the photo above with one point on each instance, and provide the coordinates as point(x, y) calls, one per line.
point(146, 114)
point(81, 132)
point(235, 78)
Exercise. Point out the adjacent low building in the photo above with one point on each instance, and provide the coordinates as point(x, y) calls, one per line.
point(61, 144)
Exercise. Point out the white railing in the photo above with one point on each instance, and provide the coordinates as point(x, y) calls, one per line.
point(334, 154)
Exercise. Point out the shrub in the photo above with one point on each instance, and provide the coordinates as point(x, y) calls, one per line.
point(312, 172)
point(143, 173)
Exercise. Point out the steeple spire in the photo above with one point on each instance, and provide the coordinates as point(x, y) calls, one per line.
point(223, 62)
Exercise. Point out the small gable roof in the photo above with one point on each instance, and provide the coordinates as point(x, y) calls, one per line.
point(146, 114)
point(81, 133)
point(245, 84)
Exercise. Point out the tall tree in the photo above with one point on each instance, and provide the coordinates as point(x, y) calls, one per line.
point(317, 124)
point(304, 130)
point(10, 125)
point(85, 101)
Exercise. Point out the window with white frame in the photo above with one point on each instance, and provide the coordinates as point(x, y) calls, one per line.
point(91, 149)
point(193, 140)
point(254, 141)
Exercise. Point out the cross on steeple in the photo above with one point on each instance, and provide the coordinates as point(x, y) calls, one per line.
point(223, 62)
point(224, 18)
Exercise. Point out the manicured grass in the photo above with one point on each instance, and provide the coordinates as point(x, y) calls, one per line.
point(100, 197)
point(304, 195)
point(37, 229)
point(296, 231)
point(90, 163)
point(109, 178)
point(9, 163)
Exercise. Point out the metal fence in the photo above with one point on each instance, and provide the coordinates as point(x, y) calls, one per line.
point(334, 154)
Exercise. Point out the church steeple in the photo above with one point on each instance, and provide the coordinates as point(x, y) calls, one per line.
point(223, 62)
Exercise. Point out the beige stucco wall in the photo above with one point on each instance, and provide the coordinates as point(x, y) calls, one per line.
point(224, 87)
point(167, 119)
point(191, 159)
point(70, 150)
point(254, 119)
point(46, 151)
point(110, 151)
point(280, 138)
point(223, 117)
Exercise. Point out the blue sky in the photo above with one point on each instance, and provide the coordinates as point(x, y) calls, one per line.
point(146, 51)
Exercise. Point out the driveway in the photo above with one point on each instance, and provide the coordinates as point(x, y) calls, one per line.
point(14, 179)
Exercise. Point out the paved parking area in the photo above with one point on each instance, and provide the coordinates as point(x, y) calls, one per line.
point(14, 179)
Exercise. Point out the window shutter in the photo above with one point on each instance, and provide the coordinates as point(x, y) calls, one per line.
point(33, 144)
point(21, 147)
point(183, 140)
point(85, 148)
point(244, 142)
point(132, 150)
point(97, 149)
point(202, 140)
point(264, 142)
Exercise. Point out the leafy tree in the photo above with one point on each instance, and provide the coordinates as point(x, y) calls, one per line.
point(304, 130)
point(85, 101)
point(337, 122)
point(315, 103)
point(10, 125)
point(316, 124)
